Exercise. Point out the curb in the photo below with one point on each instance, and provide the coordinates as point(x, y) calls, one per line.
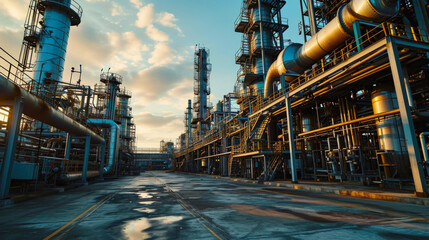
point(333, 190)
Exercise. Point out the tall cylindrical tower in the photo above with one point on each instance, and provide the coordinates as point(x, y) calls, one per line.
point(58, 16)
point(262, 26)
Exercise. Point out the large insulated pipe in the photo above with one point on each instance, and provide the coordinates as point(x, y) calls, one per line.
point(38, 109)
point(296, 58)
point(58, 16)
point(114, 140)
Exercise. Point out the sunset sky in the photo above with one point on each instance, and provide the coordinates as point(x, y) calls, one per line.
point(151, 44)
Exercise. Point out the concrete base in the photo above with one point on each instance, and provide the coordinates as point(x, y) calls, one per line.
point(4, 203)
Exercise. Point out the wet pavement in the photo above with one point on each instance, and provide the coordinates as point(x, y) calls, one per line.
point(158, 205)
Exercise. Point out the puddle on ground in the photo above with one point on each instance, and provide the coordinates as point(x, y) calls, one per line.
point(168, 219)
point(134, 230)
point(147, 202)
point(143, 195)
point(145, 210)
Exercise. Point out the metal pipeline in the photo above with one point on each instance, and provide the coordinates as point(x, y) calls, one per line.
point(114, 140)
point(296, 58)
point(38, 109)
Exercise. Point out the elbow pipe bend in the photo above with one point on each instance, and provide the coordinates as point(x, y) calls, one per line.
point(114, 140)
point(297, 58)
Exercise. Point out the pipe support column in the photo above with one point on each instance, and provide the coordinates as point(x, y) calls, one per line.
point(67, 151)
point(291, 139)
point(407, 120)
point(86, 158)
point(13, 124)
point(102, 154)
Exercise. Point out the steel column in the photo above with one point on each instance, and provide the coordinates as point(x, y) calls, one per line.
point(209, 153)
point(265, 169)
point(86, 158)
point(67, 151)
point(291, 139)
point(13, 124)
point(312, 17)
point(407, 119)
point(425, 149)
point(102, 155)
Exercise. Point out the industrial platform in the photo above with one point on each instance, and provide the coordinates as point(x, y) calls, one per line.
point(159, 205)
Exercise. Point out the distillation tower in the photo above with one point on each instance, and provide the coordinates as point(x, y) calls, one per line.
point(54, 131)
point(202, 68)
point(262, 26)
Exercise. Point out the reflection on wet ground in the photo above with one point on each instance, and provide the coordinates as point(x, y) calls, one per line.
point(134, 230)
point(158, 205)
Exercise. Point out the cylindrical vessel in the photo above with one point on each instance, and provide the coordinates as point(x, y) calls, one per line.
point(58, 16)
point(390, 131)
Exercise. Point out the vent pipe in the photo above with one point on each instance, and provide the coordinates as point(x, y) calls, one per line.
point(296, 58)
point(114, 140)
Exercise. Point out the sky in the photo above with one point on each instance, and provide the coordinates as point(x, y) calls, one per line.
point(151, 44)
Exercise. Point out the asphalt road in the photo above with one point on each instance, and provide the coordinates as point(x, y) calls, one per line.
point(158, 205)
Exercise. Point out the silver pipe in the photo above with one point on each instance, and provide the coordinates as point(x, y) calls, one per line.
point(114, 140)
point(296, 58)
point(38, 109)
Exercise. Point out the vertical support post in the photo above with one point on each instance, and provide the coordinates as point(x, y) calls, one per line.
point(252, 168)
point(407, 87)
point(209, 153)
point(265, 169)
point(291, 139)
point(312, 17)
point(407, 120)
point(86, 158)
point(358, 35)
point(425, 149)
point(102, 156)
point(67, 151)
point(302, 19)
point(14, 121)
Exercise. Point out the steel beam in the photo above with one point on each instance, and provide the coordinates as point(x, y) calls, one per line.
point(13, 124)
point(407, 120)
point(86, 158)
point(291, 139)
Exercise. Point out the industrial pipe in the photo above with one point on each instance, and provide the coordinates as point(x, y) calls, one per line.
point(114, 140)
point(38, 109)
point(296, 58)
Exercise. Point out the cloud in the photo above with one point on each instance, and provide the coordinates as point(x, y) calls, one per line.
point(16, 9)
point(117, 10)
point(168, 19)
point(127, 45)
point(150, 120)
point(145, 16)
point(166, 126)
point(155, 34)
point(162, 54)
point(156, 81)
point(136, 3)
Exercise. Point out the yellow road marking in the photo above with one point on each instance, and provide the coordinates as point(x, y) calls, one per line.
point(79, 216)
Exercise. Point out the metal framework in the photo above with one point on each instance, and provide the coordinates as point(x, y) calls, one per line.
point(351, 115)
